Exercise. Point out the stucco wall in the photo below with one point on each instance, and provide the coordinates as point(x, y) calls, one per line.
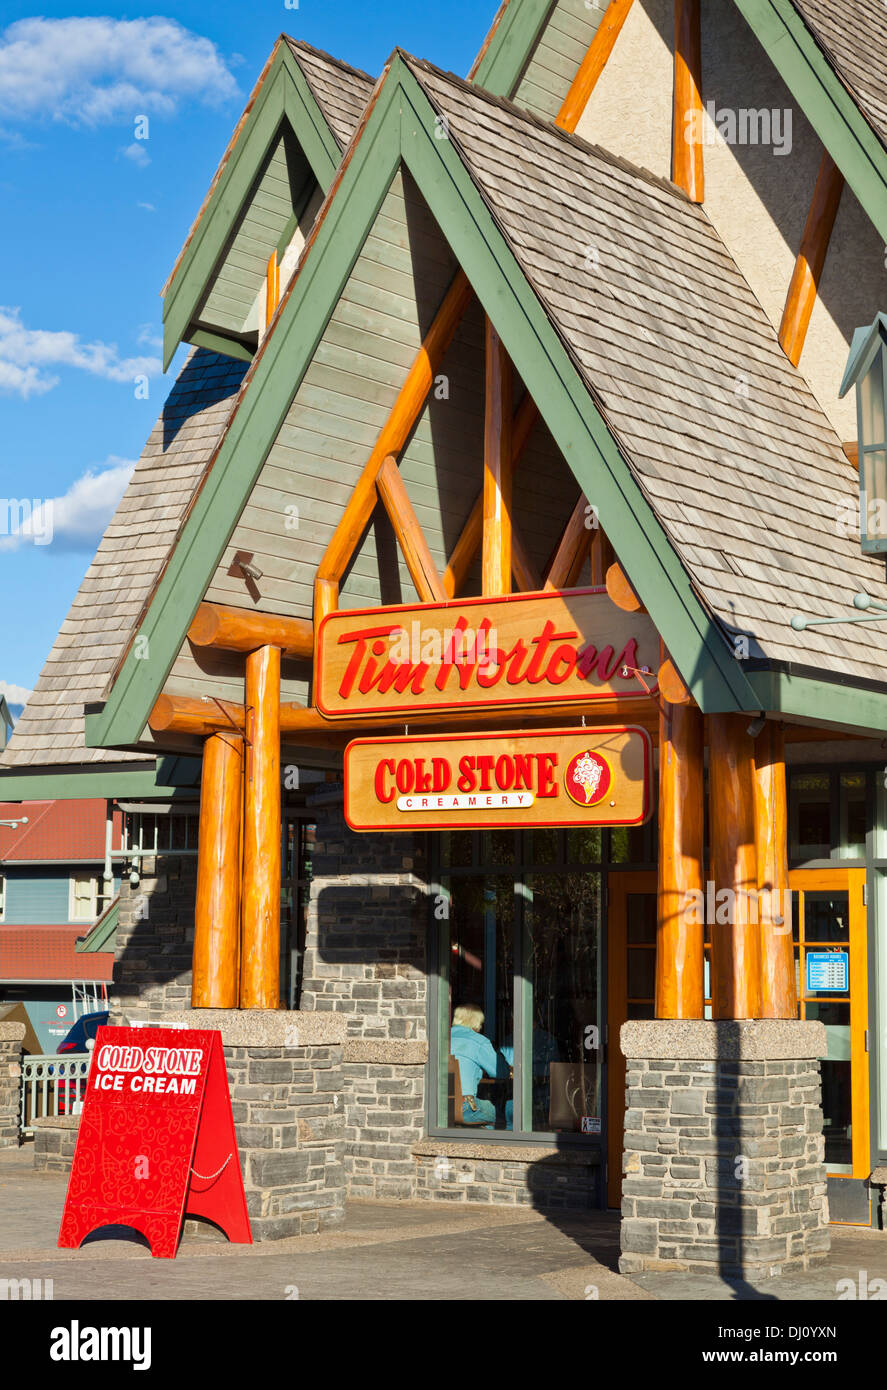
point(757, 199)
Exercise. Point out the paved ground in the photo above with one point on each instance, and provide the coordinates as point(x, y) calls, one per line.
point(398, 1250)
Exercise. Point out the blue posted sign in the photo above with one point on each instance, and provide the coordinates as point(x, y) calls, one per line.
point(828, 972)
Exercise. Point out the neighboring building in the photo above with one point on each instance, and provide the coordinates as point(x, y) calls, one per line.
point(396, 294)
point(53, 891)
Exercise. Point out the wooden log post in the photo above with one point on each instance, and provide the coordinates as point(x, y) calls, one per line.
point(680, 933)
point(687, 133)
point(215, 980)
point(260, 915)
point(735, 933)
point(779, 994)
point(497, 468)
point(811, 259)
point(593, 64)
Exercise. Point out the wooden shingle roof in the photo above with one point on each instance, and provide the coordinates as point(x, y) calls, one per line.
point(853, 36)
point(741, 466)
point(341, 91)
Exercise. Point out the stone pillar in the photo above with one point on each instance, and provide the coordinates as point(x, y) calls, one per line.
point(723, 1165)
point(11, 1035)
point(285, 1074)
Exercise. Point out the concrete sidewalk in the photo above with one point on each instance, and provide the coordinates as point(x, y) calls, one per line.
point(402, 1250)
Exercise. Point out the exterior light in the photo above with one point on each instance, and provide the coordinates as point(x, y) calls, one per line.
point(867, 371)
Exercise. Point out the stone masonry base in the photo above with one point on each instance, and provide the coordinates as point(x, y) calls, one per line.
point(11, 1035)
point(55, 1139)
point(723, 1155)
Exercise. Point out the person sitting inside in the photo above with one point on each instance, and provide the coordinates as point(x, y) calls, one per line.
point(476, 1057)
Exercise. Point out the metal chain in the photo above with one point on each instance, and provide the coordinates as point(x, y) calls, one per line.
point(204, 1178)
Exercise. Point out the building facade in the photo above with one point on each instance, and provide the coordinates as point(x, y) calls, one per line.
point(551, 357)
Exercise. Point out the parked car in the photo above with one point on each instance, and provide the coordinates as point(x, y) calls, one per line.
point(83, 1030)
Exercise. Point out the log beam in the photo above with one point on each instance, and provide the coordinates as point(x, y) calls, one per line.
point(620, 591)
point(260, 915)
point(811, 259)
point(593, 64)
point(215, 980)
point(572, 550)
point(680, 939)
point(409, 533)
point(735, 943)
point(687, 133)
point(779, 995)
point(471, 535)
point(671, 684)
point(272, 288)
point(526, 578)
point(406, 410)
point(240, 630)
point(497, 468)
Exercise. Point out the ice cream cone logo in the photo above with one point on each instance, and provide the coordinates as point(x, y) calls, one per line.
point(587, 778)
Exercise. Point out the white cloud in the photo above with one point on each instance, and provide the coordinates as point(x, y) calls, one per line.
point(74, 521)
point(149, 207)
point(15, 694)
point(137, 153)
point(149, 337)
point(88, 71)
point(27, 354)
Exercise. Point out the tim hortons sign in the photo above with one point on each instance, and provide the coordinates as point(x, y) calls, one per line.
point(548, 648)
point(455, 781)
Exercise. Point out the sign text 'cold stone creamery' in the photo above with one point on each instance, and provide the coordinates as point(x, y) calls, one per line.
point(549, 648)
point(567, 777)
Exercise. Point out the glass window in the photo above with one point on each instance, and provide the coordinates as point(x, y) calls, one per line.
point(83, 899)
point(2, 896)
point(562, 1083)
point(810, 815)
point(852, 815)
point(520, 956)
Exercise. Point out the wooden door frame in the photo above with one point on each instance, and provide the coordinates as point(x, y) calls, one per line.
point(619, 885)
point(851, 880)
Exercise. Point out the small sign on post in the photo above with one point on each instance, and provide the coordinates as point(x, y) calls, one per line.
point(156, 1140)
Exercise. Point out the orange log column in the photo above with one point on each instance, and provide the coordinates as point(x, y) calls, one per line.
point(680, 961)
point(735, 933)
point(779, 995)
point(215, 982)
point(260, 915)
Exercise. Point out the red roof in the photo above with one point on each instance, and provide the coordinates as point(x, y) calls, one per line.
point(47, 953)
point(69, 831)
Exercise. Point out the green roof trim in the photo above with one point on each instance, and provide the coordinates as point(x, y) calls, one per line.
point(517, 34)
point(821, 701)
point(74, 784)
point(104, 931)
point(865, 344)
point(284, 97)
point(828, 105)
point(401, 129)
point(218, 342)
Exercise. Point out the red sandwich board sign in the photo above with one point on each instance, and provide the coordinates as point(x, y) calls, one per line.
point(156, 1140)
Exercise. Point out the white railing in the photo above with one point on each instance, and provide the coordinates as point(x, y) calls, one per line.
point(52, 1085)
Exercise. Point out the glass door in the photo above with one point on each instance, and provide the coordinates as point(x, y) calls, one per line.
point(829, 926)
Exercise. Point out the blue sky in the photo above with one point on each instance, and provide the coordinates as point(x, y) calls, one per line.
point(91, 223)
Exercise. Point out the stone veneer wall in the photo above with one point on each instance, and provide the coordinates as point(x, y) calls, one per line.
point(365, 959)
point(155, 940)
point(55, 1139)
point(723, 1166)
point(11, 1035)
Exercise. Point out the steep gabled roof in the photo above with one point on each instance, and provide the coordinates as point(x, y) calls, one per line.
point(94, 635)
point(718, 453)
point(48, 953)
point(56, 831)
point(737, 459)
point(300, 116)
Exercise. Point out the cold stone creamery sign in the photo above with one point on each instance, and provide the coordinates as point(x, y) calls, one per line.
point(563, 777)
point(549, 648)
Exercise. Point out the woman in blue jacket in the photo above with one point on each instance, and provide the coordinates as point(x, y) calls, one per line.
point(477, 1057)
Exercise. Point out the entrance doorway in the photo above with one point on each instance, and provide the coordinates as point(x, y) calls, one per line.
point(829, 932)
point(829, 929)
point(631, 984)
